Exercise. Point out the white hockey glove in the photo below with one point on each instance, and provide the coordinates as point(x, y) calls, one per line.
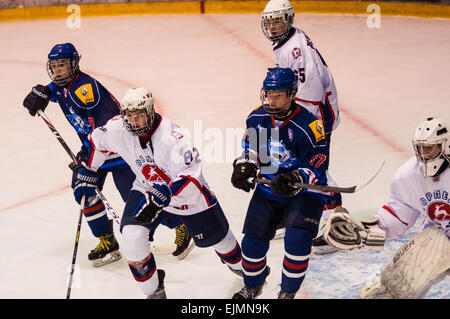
point(344, 232)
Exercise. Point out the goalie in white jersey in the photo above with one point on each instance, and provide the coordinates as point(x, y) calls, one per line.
point(293, 49)
point(420, 186)
point(168, 177)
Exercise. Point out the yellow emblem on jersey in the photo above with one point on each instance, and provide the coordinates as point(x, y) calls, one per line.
point(318, 130)
point(85, 93)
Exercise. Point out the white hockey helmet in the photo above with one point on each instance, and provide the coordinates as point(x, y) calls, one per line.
point(431, 146)
point(133, 101)
point(277, 19)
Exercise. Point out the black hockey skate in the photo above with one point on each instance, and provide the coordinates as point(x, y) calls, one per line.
point(251, 293)
point(160, 292)
point(106, 252)
point(321, 247)
point(285, 295)
point(184, 242)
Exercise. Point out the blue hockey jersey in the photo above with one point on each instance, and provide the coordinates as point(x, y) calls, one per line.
point(297, 143)
point(87, 104)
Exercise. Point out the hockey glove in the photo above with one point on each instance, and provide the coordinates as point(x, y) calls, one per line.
point(344, 232)
point(80, 157)
point(244, 167)
point(85, 184)
point(152, 203)
point(284, 184)
point(37, 99)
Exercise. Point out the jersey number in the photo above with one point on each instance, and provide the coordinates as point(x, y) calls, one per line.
point(300, 73)
point(317, 160)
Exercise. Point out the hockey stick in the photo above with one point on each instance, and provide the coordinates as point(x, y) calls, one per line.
point(75, 249)
point(324, 188)
point(52, 128)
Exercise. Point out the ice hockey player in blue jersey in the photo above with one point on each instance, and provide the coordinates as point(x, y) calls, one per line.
point(87, 104)
point(285, 143)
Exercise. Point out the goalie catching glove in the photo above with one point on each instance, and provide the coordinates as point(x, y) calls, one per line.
point(344, 232)
point(152, 203)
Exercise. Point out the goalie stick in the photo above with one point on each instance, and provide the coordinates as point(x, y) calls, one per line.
point(325, 188)
point(165, 249)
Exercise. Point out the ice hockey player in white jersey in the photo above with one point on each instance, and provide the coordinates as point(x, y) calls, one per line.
point(168, 177)
point(293, 49)
point(420, 186)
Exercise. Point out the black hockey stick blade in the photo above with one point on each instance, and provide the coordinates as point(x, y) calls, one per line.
point(325, 188)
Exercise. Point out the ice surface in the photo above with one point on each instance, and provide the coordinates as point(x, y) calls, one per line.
point(205, 72)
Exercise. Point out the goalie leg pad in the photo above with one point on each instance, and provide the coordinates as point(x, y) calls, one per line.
point(416, 266)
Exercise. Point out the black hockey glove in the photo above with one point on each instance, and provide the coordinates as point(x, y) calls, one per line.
point(244, 167)
point(284, 184)
point(37, 99)
point(152, 203)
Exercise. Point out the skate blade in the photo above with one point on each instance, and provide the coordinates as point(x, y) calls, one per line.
point(109, 258)
point(186, 251)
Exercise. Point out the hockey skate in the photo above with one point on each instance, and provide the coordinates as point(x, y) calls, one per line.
point(321, 247)
point(285, 295)
point(160, 292)
point(251, 293)
point(184, 242)
point(106, 252)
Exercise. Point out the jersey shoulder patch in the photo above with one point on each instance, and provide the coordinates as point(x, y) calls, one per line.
point(318, 130)
point(85, 93)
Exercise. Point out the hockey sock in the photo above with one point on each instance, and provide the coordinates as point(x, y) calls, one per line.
point(144, 272)
point(254, 261)
point(97, 219)
point(297, 246)
point(229, 251)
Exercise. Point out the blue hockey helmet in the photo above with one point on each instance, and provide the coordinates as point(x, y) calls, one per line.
point(283, 80)
point(63, 63)
point(280, 79)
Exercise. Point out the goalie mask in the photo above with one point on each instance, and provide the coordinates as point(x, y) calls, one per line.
point(277, 19)
point(138, 110)
point(431, 146)
point(63, 64)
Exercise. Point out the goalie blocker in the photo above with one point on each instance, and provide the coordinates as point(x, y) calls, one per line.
point(345, 232)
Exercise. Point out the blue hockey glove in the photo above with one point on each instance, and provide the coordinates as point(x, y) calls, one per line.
point(284, 184)
point(86, 182)
point(152, 203)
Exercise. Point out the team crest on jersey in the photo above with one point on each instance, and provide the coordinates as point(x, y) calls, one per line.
point(279, 154)
point(85, 93)
point(153, 173)
point(439, 213)
point(318, 130)
point(78, 123)
point(296, 53)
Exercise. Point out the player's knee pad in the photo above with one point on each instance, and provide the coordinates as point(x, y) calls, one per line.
point(135, 242)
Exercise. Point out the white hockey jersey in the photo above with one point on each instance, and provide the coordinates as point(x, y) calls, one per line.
point(168, 158)
point(316, 88)
point(411, 195)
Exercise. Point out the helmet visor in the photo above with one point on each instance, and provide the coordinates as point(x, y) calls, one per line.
point(60, 71)
point(137, 121)
point(427, 152)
